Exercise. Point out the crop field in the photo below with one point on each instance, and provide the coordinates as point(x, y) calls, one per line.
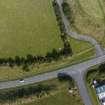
point(89, 18)
point(28, 27)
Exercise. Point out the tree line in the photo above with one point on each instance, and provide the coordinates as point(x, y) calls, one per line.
point(67, 48)
point(68, 11)
point(30, 59)
point(25, 62)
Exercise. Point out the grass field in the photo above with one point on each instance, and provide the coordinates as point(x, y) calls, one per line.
point(80, 54)
point(79, 46)
point(58, 96)
point(28, 27)
point(89, 18)
point(61, 98)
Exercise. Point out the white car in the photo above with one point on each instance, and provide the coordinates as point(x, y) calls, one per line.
point(21, 80)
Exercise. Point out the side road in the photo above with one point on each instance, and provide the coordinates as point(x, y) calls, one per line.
point(79, 78)
point(99, 50)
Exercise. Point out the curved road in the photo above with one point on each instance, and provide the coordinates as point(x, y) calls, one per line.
point(77, 72)
point(99, 50)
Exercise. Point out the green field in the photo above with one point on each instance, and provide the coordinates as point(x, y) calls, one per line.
point(59, 95)
point(28, 27)
point(79, 46)
point(82, 51)
point(89, 18)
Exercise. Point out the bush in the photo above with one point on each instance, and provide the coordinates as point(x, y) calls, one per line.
point(68, 12)
point(20, 92)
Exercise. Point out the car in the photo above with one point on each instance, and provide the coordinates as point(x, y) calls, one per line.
point(62, 74)
point(21, 81)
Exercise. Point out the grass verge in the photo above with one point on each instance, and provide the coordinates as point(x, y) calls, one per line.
point(59, 95)
point(7, 73)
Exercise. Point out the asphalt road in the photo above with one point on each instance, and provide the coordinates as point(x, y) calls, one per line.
point(73, 71)
point(79, 79)
point(77, 72)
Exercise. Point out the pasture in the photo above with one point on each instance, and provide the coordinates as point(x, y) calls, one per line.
point(89, 18)
point(28, 27)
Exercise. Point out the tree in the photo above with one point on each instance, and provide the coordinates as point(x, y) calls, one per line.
point(68, 11)
point(25, 67)
point(102, 68)
point(17, 60)
point(10, 62)
point(30, 59)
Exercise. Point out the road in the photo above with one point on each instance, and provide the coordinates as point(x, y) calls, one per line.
point(73, 71)
point(79, 79)
point(79, 76)
point(77, 72)
point(87, 38)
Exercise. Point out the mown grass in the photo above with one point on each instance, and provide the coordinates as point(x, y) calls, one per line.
point(58, 96)
point(28, 27)
point(89, 18)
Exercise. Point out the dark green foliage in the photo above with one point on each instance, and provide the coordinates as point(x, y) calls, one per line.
point(102, 68)
point(58, 17)
point(25, 91)
point(67, 48)
point(67, 11)
point(97, 72)
point(25, 67)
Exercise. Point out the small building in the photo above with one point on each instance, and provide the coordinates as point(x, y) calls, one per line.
point(100, 91)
